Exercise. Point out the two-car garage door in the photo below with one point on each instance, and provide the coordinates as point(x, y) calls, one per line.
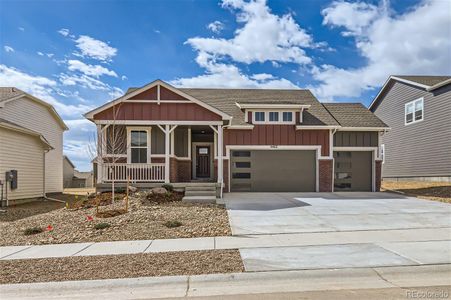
point(273, 171)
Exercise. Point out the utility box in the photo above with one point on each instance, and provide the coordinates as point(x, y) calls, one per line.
point(11, 176)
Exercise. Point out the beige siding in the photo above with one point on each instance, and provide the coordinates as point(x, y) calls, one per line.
point(68, 173)
point(24, 153)
point(37, 117)
point(422, 148)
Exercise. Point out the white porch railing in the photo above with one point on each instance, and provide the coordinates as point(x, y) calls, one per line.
point(135, 172)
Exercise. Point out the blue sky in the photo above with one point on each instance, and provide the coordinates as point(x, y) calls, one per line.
point(80, 54)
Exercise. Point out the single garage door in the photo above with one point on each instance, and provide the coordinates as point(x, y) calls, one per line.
point(273, 171)
point(353, 171)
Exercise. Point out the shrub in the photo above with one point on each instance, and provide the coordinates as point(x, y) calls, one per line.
point(33, 230)
point(99, 226)
point(172, 224)
point(168, 187)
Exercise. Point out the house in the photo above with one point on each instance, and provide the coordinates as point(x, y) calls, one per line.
point(267, 140)
point(418, 111)
point(74, 178)
point(31, 139)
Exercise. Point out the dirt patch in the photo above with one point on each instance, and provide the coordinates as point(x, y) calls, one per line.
point(120, 266)
point(144, 220)
point(17, 212)
point(437, 191)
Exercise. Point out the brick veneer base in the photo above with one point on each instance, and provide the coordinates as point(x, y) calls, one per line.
point(325, 175)
point(378, 174)
point(180, 170)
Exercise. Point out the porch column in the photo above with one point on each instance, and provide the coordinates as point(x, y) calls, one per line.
point(167, 136)
point(99, 158)
point(220, 158)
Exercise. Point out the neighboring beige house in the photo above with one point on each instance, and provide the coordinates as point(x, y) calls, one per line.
point(74, 178)
point(31, 135)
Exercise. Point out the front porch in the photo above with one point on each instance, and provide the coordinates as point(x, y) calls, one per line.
point(150, 154)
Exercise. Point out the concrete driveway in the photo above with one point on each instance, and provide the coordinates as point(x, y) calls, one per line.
point(372, 218)
point(273, 213)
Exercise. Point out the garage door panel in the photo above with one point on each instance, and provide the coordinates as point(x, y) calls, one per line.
point(274, 171)
point(353, 171)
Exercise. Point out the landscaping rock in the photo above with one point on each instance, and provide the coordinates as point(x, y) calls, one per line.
point(132, 189)
point(159, 190)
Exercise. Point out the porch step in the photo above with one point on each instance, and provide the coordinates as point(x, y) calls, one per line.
point(199, 199)
point(200, 192)
point(209, 187)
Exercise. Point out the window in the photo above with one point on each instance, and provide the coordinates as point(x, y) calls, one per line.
point(241, 153)
point(138, 146)
point(242, 164)
point(287, 116)
point(414, 111)
point(241, 175)
point(273, 116)
point(259, 116)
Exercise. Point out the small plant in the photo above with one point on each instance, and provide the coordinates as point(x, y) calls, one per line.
point(33, 230)
point(172, 224)
point(168, 187)
point(100, 226)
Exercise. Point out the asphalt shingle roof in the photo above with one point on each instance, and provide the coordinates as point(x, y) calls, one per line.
point(426, 80)
point(353, 115)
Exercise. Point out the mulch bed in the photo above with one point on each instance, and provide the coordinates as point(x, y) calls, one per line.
point(146, 218)
point(120, 266)
point(437, 191)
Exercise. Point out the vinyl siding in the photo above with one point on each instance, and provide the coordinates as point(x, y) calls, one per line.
point(68, 174)
point(24, 153)
point(419, 149)
point(37, 117)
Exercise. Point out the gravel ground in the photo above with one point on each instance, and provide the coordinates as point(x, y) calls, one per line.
point(437, 191)
point(143, 221)
point(121, 266)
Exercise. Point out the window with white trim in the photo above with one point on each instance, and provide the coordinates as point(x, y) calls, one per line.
point(414, 111)
point(259, 116)
point(287, 116)
point(138, 146)
point(273, 116)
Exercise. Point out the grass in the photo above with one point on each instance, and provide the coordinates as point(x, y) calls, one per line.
point(436, 191)
point(99, 226)
point(33, 230)
point(172, 224)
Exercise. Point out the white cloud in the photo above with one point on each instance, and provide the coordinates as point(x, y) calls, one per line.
point(78, 141)
point(124, 77)
point(40, 87)
point(64, 31)
point(157, 31)
point(415, 42)
point(40, 53)
point(90, 70)
point(21, 28)
point(50, 55)
point(88, 82)
point(216, 27)
point(8, 48)
point(263, 37)
point(96, 49)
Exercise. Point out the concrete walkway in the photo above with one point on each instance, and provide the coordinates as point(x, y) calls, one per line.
point(236, 284)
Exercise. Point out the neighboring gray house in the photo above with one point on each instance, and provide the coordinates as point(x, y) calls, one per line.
point(31, 139)
point(418, 111)
point(74, 178)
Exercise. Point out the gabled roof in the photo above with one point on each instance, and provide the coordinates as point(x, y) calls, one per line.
point(13, 126)
point(8, 94)
point(69, 161)
point(428, 83)
point(354, 115)
point(226, 99)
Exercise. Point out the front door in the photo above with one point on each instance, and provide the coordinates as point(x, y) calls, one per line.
point(203, 160)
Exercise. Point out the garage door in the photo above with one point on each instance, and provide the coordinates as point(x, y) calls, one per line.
point(353, 171)
point(273, 171)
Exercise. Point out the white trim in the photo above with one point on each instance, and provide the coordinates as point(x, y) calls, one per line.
point(129, 129)
point(189, 142)
point(439, 85)
point(316, 148)
point(158, 102)
point(89, 115)
point(220, 155)
point(363, 128)
point(239, 127)
point(158, 94)
point(271, 106)
point(414, 111)
point(194, 159)
point(162, 122)
point(309, 127)
point(373, 160)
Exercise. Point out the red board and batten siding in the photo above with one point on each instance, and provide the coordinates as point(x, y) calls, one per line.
point(278, 135)
point(151, 94)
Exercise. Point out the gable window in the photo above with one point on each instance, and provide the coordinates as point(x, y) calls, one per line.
point(259, 116)
point(287, 116)
point(273, 116)
point(139, 150)
point(414, 111)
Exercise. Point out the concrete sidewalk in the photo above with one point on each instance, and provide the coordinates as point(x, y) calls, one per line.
point(235, 284)
point(224, 242)
point(386, 238)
